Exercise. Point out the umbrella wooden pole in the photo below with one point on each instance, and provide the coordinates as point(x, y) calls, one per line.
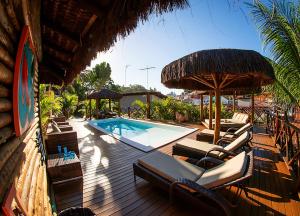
point(217, 114)
point(252, 108)
point(201, 108)
point(109, 104)
point(210, 111)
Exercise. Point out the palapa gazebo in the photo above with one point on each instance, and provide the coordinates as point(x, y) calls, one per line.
point(104, 94)
point(217, 70)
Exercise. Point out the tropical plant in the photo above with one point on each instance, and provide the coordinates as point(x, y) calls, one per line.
point(69, 103)
point(141, 110)
point(49, 104)
point(95, 79)
point(279, 24)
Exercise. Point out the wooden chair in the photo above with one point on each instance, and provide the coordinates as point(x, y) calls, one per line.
point(64, 138)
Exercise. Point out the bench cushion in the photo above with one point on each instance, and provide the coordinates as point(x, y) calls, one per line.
point(238, 142)
point(226, 172)
point(197, 146)
point(170, 167)
point(211, 132)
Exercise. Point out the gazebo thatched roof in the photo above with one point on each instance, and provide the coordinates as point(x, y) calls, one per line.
point(105, 94)
point(241, 69)
point(74, 31)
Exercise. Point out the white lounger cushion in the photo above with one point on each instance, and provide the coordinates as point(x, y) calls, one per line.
point(211, 132)
point(226, 172)
point(204, 147)
point(242, 129)
point(170, 167)
point(238, 142)
point(198, 146)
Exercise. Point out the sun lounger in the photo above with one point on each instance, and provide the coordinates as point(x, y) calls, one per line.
point(62, 126)
point(231, 133)
point(238, 120)
point(193, 183)
point(198, 149)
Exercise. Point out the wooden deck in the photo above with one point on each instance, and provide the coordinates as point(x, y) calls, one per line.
point(109, 189)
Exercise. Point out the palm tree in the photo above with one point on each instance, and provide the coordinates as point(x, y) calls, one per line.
point(96, 78)
point(279, 24)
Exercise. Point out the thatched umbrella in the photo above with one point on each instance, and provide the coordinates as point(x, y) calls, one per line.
point(104, 94)
point(217, 70)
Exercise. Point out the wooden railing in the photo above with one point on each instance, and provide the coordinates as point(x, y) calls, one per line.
point(136, 112)
point(259, 112)
point(286, 138)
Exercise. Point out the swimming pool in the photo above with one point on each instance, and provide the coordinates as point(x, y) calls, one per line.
point(143, 135)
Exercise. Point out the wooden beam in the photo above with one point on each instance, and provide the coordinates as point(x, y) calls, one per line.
point(88, 25)
point(53, 58)
point(229, 82)
point(55, 62)
point(214, 77)
point(92, 7)
point(56, 72)
point(203, 81)
point(63, 32)
point(59, 50)
point(223, 81)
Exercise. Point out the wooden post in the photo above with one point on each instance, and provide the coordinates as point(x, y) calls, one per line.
point(148, 106)
point(210, 111)
point(201, 108)
point(129, 112)
point(97, 107)
point(252, 108)
point(109, 104)
point(90, 109)
point(120, 110)
point(217, 114)
point(234, 97)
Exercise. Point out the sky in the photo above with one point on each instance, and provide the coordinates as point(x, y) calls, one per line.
point(206, 24)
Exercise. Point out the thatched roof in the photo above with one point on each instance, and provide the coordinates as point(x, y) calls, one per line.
point(73, 31)
point(105, 94)
point(157, 94)
point(199, 71)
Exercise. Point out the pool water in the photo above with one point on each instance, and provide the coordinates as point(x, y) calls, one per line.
point(143, 135)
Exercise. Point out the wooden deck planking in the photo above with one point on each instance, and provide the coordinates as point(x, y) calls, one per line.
point(109, 188)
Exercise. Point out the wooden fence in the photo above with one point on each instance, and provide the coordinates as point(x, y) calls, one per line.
point(286, 138)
